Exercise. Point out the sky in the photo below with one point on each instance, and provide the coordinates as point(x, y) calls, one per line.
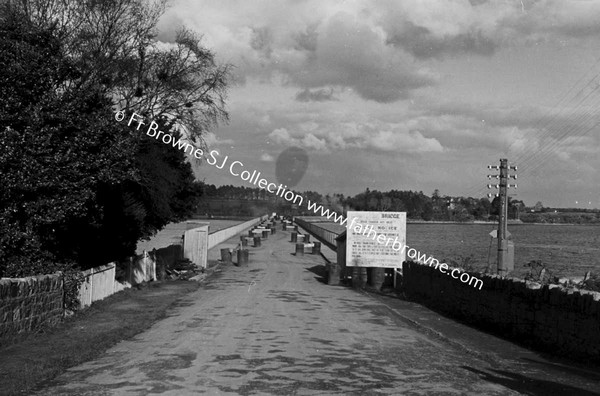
point(409, 94)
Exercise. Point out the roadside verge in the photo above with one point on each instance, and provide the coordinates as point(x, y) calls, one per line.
point(43, 356)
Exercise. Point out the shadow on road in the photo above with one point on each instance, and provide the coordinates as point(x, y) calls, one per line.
point(321, 271)
point(529, 386)
point(568, 367)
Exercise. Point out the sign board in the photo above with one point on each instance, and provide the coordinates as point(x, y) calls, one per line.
point(375, 239)
point(494, 234)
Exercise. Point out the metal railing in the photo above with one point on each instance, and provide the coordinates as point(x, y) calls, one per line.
point(325, 236)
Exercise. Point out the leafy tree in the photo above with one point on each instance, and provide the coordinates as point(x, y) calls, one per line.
point(76, 185)
point(482, 209)
point(49, 138)
point(539, 206)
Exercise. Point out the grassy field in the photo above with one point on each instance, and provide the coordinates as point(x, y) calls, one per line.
point(566, 250)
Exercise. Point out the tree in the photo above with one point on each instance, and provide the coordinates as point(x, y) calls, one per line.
point(539, 207)
point(47, 135)
point(76, 185)
point(482, 209)
point(516, 207)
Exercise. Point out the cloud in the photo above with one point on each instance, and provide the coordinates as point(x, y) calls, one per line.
point(376, 48)
point(437, 28)
point(262, 41)
point(211, 139)
point(515, 131)
point(353, 55)
point(282, 137)
point(320, 47)
point(373, 136)
point(168, 26)
point(413, 142)
point(317, 95)
point(267, 158)
point(311, 141)
point(420, 42)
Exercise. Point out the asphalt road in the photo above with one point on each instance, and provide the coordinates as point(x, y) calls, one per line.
point(274, 327)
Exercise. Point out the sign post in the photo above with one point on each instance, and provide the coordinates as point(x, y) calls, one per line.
point(376, 239)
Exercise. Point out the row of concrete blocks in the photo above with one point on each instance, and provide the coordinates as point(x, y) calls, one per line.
point(258, 233)
point(303, 243)
point(242, 256)
point(255, 235)
point(301, 248)
point(289, 226)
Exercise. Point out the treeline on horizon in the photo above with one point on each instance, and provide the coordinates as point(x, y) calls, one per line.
point(248, 201)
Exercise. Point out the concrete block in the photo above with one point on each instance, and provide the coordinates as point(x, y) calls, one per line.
point(226, 255)
point(242, 257)
point(316, 248)
point(333, 275)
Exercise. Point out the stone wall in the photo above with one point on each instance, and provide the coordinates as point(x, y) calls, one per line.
point(559, 320)
point(27, 304)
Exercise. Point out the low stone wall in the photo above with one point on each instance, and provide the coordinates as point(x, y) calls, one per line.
point(27, 304)
point(558, 320)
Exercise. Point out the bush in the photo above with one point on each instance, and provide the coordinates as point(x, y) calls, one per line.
point(72, 281)
point(592, 283)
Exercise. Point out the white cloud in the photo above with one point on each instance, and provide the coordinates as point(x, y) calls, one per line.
point(405, 142)
point(267, 158)
point(212, 140)
point(282, 136)
point(311, 141)
point(439, 27)
point(373, 46)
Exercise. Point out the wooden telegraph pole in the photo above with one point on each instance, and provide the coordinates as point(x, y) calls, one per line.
point(505, 247)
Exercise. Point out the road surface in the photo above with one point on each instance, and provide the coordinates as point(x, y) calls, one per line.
point(274, 328)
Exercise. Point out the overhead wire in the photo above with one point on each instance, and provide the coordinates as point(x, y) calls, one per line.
point(544, 127)
point(577, 126)
point(555, 122)
point(569, 125)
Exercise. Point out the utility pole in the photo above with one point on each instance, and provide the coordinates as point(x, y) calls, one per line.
point(505, 247)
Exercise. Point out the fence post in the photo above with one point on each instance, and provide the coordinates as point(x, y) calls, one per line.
point(91, 285)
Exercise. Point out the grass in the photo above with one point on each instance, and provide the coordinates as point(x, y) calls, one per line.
point(40, 357)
